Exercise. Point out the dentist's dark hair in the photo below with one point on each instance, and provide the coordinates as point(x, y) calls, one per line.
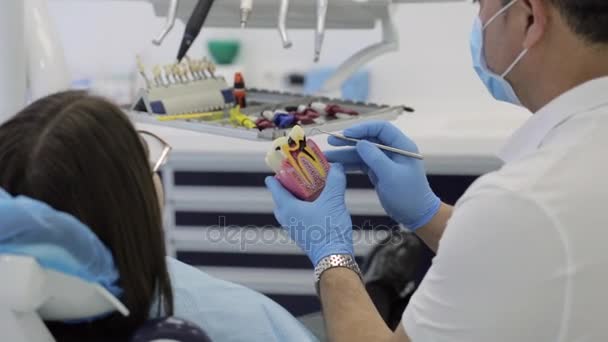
point(586, 18)
point(81, 155)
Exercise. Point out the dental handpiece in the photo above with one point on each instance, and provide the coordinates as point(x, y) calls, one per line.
point(283, 10)
point(320, 31)
point(246, 8)
point(193, 26)
point(169, 24)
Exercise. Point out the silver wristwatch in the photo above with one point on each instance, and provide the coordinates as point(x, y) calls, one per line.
point(332, 261)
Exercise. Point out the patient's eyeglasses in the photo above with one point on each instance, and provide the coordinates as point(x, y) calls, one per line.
point(157, 148)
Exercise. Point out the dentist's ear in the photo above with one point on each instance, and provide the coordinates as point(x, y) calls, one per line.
point(538, 21)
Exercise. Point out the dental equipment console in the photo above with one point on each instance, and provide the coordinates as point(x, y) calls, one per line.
point(319, 15)
point(189, 95)
point(30, 49)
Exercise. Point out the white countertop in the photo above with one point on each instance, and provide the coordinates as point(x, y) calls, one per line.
point(455, 139)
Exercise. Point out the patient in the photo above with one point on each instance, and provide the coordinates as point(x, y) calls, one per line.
point(81, 155)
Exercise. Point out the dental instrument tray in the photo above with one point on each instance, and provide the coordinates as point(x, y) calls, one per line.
point(190, 96)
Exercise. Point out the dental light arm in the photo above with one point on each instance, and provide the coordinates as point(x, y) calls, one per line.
point(389, 43)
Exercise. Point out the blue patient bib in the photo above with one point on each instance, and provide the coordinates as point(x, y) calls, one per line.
point(56, 240)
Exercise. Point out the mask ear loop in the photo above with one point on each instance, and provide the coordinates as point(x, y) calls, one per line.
point(501, 11)
point(522, 54)
point(510, 68)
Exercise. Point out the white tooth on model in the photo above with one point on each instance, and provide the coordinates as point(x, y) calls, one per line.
point(274, 160)
point(297, 133)
point(275, 157)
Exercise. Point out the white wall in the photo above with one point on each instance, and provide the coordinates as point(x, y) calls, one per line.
point(432, 71)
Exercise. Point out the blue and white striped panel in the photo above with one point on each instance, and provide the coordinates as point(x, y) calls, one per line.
point(223, 224)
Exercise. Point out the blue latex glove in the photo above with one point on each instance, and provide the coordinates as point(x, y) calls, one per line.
point(319, 228)
point(56, 240)
point(400, 181)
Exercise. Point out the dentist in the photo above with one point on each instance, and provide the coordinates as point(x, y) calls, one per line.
point(522, 255)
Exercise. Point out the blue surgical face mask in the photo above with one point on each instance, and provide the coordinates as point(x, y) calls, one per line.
point(497, 84)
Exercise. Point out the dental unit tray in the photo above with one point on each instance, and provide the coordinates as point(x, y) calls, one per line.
point(260, 100)
point(189, 95)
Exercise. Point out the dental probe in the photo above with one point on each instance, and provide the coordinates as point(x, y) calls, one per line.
point(246, 8)
point(380, 146)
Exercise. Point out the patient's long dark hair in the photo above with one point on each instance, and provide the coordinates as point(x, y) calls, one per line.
point(81, 155)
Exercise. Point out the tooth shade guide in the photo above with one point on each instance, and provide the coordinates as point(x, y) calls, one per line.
point(172, 87)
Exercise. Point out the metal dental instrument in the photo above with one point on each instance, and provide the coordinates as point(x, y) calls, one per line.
point(283, 23)
point(320, 31)
point(246, 8)
point(169, 24)
point(380, 146)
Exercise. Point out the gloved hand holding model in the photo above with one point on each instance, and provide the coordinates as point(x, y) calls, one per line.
point(320, 228)
point(400, 181)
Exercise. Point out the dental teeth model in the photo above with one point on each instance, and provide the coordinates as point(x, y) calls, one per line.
point(187, 71)
point(299, 164)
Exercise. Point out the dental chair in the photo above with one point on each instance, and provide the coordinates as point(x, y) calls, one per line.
point(30, 294)
point(55, 269)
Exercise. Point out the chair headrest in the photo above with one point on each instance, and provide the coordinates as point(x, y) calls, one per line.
point(54, 295)
point(64, 265)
